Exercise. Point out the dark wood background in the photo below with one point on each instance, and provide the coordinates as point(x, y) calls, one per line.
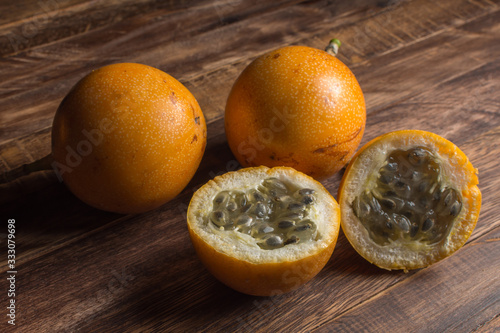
point(430, 65)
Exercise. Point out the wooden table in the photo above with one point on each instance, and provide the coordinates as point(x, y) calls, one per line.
point(430, 65)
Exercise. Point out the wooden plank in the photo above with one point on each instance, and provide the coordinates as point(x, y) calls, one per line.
point(162, 301)
point(490, 326)
point(28, 10)
point(218, 158)
point(31, 74)
point(422, 64)
point(461, 52)
point(154, 250)
point(35, 23)
point(457, 295)
point(189, 59)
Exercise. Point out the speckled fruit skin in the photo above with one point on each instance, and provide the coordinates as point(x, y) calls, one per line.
point(296, 106)
point(128, 138)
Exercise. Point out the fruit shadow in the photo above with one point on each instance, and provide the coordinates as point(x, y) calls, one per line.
point(184, 294)
point(50, 211)
point(345, 261)
point(217, 160)
point(44, 208)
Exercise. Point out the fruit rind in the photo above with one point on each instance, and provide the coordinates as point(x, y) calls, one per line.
point(456, 170)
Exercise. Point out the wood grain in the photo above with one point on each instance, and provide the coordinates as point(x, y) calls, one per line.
point(421, 64)
point(442, 297)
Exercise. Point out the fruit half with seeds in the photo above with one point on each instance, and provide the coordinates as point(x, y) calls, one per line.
point(409, 199)
point(263, 231)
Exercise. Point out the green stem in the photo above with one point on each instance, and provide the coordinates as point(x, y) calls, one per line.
point(333, 47)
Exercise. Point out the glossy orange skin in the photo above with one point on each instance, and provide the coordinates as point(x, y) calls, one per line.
point(266, 279)
point(296, 106)
point(128, 138)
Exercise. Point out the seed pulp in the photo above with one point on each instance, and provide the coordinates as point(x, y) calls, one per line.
point(409, 201)
point(275, 214)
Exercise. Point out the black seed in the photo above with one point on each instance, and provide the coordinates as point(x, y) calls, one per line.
point(303, 227)
point(415, 176)
point(400, 184)
point(296, 206)
point(245, 208)
point(437, 194)
point(243, 201)
point(386, 178)
point(428, 224)
point(274, 241)
point(455, 208)
point(448, 197)
point(391, 166)
point(417, 156)
point(244, 220)
point(375, 205)
point(408, 214)
point(388, 203)
point(275, 183)
point(361, 209)
point(424, 201)
point(402, 222)
point(231, 206)
point(390, 194)
point(307, 199)
point(294, 216)
point(423, 186)
point(260, 209)
point(218, 218)
point(267, 230)
point(413, 230)
point(221, 197)
point(285, 224)
point(292, 240)
point(306, 191)
point(258, 197)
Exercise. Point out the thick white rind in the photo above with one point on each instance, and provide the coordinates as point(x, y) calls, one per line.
point(243, 247)
point(364, 168)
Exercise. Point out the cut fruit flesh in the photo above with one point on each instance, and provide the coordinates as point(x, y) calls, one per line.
point(408, 199)
point(263, 231)
point(275, 213)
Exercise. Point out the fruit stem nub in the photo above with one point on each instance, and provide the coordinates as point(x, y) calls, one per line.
point(333, 47)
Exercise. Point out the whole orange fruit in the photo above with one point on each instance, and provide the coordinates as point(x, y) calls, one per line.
point(409, 199)
point(128, 138)
point(263, 231)
point(296, 106)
